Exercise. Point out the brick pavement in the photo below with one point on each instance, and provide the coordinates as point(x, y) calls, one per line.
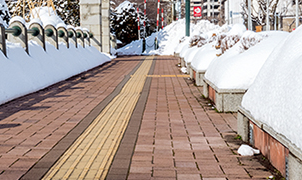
point(31, 126)
point(181, 135)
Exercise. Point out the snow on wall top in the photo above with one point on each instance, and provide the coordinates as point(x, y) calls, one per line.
point(275, 96)
point(47, 16)
point(237, 67)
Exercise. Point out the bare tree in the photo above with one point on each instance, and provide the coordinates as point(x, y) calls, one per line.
point(259, 11)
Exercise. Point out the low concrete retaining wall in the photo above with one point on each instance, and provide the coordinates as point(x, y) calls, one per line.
point(283, 155)
point(225, 100)
point(197, 76)
point(18, 33)
point(177, 56)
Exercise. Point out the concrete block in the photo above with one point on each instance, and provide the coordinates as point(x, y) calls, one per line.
point(22, 38)
point(89, 19)
point(63, 36)
point(80, 37)
point(231, 101)
point(87, 39)
point(2, 40)
point(72, 37)
point(51, 35)
point(40, 39)
point(294, 169)
point(243, 126)
point(225, 100)
point(199, 78)
point(205, 90)
point(189, 69)
point(218, 101)
point(182, 62)
point(90, 2)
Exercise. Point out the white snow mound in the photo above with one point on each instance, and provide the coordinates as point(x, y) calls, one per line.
point(246, 150)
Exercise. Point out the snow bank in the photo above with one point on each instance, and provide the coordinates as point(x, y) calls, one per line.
point(22, 74)
point(46, 15)
point(218, 42)
point(237, 68)
point(203, 58)
point(168, 38)
point(275, 96)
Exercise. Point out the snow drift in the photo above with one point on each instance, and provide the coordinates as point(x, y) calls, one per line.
point(275, 96)
point(22, 73)
point(238, 67)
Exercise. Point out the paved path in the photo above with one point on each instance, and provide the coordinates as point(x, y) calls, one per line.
point(173, 132)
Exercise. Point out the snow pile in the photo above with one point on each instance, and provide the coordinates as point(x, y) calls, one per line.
point(169, 37)
point(250, 39)
point(275, 96)
point(237, 69)
point(232, 37)
point(218, 42)
point(46, 15)
point(207, 35)
point(246, 150)
point(196, 39)
point(22, 73)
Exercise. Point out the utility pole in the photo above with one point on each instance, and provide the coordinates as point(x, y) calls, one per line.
point(187, 17)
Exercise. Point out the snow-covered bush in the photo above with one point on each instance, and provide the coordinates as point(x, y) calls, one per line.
point(219, 39)
point(250, 39)
point(195, 39)
point(182, 39)
point(202, 42)
point(228, 42)
point(212, 38)
point(124, 22)
point(68, 11)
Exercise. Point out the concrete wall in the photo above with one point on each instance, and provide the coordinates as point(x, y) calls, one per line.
point(225, 100)
point(95, 17)
point(283, 155)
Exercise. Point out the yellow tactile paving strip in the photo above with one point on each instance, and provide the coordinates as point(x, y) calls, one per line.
point(92, 153)
point(157, 76)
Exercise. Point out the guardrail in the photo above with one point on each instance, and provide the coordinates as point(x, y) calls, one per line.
point(18, 33)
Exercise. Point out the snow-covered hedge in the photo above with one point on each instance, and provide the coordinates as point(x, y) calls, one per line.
point(237, 68)
point(275, 96)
